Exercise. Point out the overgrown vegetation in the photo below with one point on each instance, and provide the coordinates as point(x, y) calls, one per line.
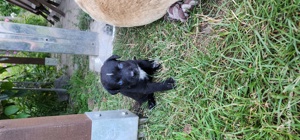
point(237, 69)
point(6, 8)
point(32, 19)
point(84, 21)
point(26, 103)
point(23, 103)
point(29, 18)
point(16, 14)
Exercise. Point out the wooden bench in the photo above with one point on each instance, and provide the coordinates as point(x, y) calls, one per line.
point(40, 7)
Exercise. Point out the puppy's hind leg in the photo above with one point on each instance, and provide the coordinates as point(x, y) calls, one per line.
point(136, 109)
point(151, 101)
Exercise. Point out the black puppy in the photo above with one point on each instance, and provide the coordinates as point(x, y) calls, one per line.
point(132, 78)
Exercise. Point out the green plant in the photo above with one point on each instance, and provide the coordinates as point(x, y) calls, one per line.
point(84, 21)
point(6, 8)
point(35, 20)
point(32, 19)
point(23, 103)
point(39, 104)
point(13, 112)
point(5, 86)
point(9, 109)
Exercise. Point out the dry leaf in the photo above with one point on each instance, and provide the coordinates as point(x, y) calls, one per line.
point(187, 129)
point(90, 103)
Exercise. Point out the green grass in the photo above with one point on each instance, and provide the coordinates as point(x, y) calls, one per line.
point(238, 81)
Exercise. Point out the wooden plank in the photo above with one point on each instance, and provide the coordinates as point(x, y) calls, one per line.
point(37, 4)
point(68, 127)
point(22, 60)
point(45, 3)
point(31, 38)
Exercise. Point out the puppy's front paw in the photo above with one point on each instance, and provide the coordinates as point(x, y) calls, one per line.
point(156, 65)
point(170, 83)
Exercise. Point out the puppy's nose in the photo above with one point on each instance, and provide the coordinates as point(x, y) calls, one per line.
point(133, 73)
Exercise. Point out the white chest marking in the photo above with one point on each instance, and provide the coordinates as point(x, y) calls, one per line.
point(142, 74)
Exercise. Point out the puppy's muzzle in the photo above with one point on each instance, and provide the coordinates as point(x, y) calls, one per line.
point(134, 73)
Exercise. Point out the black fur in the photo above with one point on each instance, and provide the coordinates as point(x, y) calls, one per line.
point(125, 77)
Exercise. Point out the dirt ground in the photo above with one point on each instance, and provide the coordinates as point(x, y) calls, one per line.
point(70, 21)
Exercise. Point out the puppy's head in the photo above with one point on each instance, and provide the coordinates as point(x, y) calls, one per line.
point(116, 74)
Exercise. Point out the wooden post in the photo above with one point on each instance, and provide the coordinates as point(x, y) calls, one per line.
point(68, 127)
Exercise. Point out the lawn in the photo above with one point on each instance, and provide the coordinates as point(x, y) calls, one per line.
point(237, 68)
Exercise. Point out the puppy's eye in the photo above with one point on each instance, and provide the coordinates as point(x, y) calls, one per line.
point(120, 82)
point(120, 66)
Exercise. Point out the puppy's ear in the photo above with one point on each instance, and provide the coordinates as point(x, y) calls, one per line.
point(114, 57)
point(112, 92)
